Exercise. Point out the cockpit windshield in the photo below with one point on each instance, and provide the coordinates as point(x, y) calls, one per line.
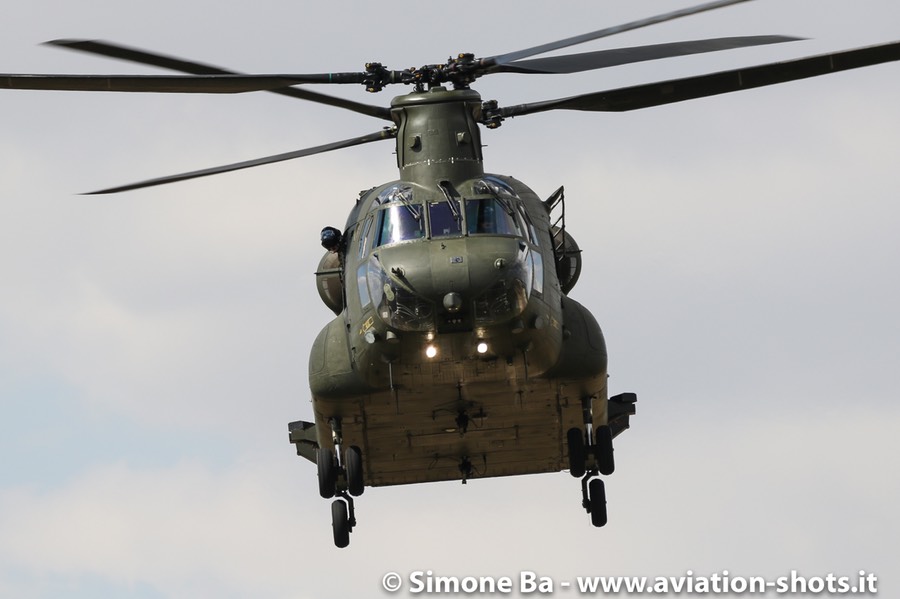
point(399, 223)
point(445, 222)
point(490, 215)
point(398, 218)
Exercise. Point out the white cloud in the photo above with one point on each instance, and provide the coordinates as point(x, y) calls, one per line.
point(180, 530)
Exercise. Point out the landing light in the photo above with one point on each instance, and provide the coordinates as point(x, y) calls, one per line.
point(482, 347)
point(431, 351)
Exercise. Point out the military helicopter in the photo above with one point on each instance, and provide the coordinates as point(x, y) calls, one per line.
point(455, 351)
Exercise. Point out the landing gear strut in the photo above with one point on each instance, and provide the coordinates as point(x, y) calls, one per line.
point(465, 468)
point(341, 475)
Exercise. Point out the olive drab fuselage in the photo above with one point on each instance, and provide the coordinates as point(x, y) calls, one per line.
point(453, 337)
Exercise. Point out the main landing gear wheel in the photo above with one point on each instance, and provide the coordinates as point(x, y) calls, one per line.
point(354, 471)
point(340, 523)
point(327, 471)
point(597, 502)
point(603, 450)
point(577, 453)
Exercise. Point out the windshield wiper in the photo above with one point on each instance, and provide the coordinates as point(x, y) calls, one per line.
point(454, 208)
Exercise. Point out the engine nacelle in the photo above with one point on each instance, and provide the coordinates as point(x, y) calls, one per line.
point(329, 281)
point(568, 258)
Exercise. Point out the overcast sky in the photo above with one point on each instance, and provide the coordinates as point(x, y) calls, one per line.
point(739, 251)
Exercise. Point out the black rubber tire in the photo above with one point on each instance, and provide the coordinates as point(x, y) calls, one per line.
point(597, 498)
point(327, 472)
point(603, 450)
point(354, 467)
point(577, 456)
point(340, 523)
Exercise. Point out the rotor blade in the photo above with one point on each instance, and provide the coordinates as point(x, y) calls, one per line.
point(386, 133)
point(206, 84)
point(587, 37)
point(195, 68)
point(575, 63)
point(679, 90)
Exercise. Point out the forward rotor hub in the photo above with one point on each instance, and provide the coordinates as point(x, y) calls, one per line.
point(461, 72)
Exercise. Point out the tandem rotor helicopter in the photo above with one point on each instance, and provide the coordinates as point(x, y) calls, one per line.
point(455, 351)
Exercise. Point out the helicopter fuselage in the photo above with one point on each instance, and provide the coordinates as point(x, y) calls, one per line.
point(454, 348)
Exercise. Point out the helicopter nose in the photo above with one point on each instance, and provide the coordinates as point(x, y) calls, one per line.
point(449, 285)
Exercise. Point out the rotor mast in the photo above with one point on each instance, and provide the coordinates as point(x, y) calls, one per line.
point(438, 137)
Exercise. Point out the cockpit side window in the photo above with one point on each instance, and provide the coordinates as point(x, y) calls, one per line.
point(529, 225)
point(399, 223)
point(491, 216)
point(364, 238)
